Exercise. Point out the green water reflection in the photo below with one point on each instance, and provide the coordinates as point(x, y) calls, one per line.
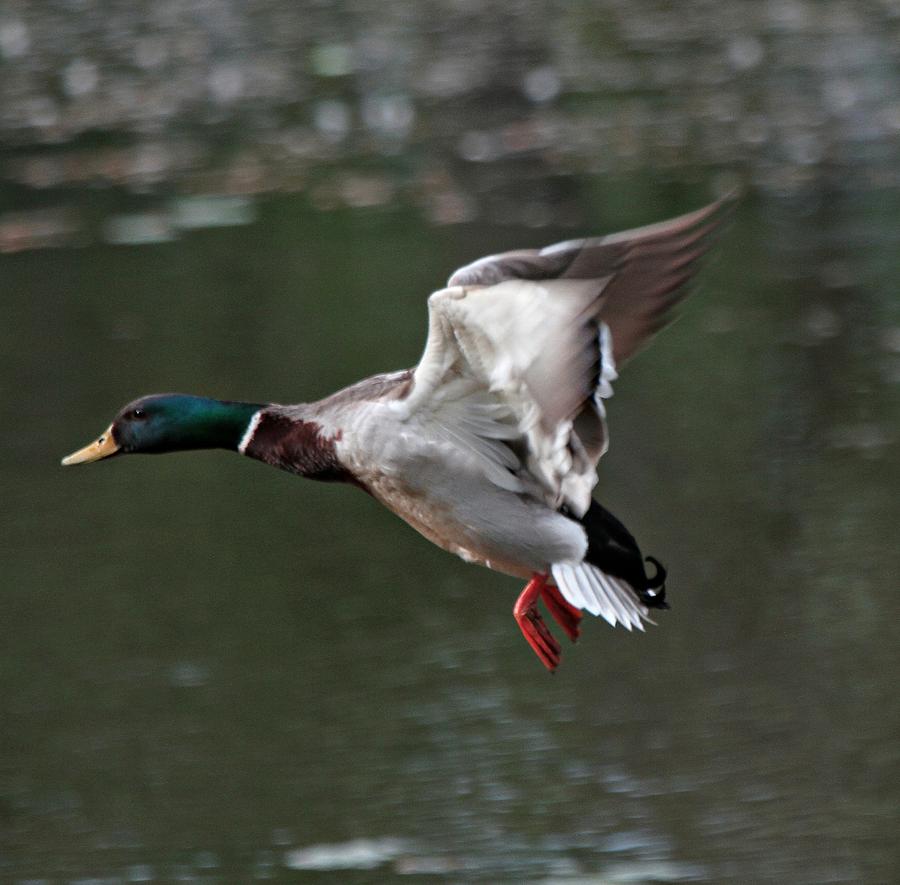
point(207, 666)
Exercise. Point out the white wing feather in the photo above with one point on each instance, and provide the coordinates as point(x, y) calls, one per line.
point(506, 371)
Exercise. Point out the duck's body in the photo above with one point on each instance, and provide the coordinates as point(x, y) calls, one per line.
point(363, 435)
point(489, 446)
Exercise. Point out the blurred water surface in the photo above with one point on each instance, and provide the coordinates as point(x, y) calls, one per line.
point(211, 671)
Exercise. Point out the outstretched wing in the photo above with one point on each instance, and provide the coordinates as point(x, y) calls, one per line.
point(522, 348)
point(648, 271)
point(507, 371)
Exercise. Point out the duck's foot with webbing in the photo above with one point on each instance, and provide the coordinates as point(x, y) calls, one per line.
point(532, 624)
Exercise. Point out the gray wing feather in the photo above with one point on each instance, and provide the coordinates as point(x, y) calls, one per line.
point(643, 273)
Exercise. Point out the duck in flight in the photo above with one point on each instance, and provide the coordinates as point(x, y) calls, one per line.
point(489, 446)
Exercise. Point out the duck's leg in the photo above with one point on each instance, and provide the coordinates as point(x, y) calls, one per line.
point(566, 615)
point(532, 624)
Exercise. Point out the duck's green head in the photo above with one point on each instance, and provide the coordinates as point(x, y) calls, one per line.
point(170, 422)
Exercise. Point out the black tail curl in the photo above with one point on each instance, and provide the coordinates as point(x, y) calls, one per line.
point(612, 548)
point(654, 594)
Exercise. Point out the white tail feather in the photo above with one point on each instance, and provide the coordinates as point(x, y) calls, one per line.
point(587, 587)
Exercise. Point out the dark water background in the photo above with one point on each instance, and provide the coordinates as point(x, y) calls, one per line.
point(213, 672)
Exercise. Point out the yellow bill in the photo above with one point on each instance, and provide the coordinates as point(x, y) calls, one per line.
point(102, 447)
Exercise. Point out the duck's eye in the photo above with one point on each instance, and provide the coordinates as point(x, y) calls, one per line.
point(137, 413)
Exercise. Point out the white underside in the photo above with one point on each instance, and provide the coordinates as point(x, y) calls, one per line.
point(450, 487)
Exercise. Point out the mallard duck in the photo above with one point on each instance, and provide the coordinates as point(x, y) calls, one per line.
point(489, 446)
